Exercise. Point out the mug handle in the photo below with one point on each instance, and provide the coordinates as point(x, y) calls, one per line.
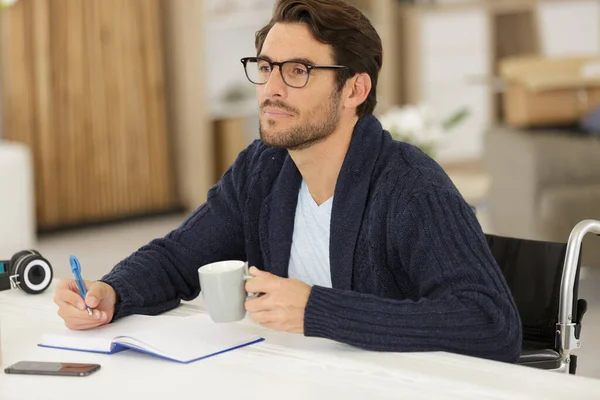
point(246, 277)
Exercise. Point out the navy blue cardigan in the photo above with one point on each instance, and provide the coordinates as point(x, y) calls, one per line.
point(410, 267)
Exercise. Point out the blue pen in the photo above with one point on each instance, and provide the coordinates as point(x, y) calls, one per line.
point(76, 268)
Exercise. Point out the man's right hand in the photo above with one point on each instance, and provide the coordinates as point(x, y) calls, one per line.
point(101, 298)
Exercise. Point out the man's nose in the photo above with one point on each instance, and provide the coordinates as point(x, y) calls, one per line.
point(275, 85)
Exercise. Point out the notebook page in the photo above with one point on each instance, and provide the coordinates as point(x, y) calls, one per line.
point(186, 339)
point(97, 339)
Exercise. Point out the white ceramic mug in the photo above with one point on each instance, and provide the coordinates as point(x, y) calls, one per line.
point(222, 285)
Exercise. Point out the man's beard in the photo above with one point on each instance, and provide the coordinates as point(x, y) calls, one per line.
point(320, 124)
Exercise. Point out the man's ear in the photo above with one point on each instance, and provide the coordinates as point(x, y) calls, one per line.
point(358, 88)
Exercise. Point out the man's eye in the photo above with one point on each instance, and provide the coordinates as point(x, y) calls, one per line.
point(299, 71)
point(264, 68)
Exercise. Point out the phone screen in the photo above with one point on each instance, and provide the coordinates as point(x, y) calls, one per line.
point(52, 368)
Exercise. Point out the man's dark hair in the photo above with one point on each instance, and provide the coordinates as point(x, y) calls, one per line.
point(356, 44)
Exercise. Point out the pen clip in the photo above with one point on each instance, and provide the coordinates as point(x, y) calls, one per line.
point(76, 268)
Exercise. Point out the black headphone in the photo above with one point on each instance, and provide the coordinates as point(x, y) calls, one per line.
point(27, 270)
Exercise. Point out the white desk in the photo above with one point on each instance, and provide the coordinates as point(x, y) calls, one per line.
point(284, 366)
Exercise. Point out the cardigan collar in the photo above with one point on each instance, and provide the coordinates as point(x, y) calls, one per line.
point(349, 203)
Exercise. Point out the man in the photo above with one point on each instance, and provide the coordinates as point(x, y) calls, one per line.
point(354, 237)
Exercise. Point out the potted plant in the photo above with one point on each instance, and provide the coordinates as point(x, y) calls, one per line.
point(417, 125)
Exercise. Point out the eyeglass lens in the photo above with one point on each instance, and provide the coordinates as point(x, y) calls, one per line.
point(294, 74)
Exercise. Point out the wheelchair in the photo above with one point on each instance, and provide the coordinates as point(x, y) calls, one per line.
point(544, 280)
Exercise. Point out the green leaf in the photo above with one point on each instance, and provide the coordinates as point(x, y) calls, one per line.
point(455, 119)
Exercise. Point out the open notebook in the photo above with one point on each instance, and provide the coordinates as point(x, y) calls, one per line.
point(182, 339)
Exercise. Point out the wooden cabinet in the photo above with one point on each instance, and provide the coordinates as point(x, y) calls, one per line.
point(83, 86)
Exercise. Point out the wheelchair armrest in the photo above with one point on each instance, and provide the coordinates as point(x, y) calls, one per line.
point(539, 358)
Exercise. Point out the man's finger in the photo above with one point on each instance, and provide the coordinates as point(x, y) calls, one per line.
point(257, 304)
point(79, 322)
point(82, 325)
point(263, 283)
point(257, 272)
point(69, 297)
point(67, 311)
point(276, 326)
point(96, 293)
point(264, 317)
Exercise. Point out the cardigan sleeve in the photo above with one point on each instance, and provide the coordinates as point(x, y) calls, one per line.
point(463, 303)
point(157, 276)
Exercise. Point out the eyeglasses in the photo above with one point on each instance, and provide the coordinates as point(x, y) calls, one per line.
point(294, 73)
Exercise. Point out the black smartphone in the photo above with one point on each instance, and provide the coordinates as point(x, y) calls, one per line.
point(52, 368)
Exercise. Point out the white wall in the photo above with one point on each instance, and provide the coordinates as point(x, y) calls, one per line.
point(230, 33)
point(455, 49)
point(570, 28)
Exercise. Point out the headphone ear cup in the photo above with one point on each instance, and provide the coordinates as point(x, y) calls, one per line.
point(35, 252)
point(15, 260)
point(34, 273)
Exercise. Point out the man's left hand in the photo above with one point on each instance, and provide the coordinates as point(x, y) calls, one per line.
point(281, 303)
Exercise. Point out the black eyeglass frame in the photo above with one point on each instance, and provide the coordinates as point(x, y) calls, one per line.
point(309, 68)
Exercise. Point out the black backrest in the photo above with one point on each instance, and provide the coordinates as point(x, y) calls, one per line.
point(533, 271)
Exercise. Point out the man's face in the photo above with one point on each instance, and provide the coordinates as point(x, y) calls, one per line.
point(294, 118)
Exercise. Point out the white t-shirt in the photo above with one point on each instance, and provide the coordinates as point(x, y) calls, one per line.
point(309, 256)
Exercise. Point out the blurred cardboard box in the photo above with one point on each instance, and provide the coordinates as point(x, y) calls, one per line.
point(543, 91)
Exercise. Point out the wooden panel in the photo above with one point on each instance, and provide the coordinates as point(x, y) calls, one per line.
point(110, 20)
point(98, 146)
point(153, 72)
point(230, 140)
point(385, 15)
point(18, 102)
point(188, 106)
point(513, 33)
point(410, 61)
point(43, 144)
point(72, 158)
point(84, 87)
